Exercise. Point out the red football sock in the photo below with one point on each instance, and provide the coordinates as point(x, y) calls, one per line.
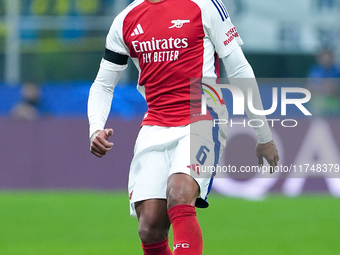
point(160, 248)
point(186, 230)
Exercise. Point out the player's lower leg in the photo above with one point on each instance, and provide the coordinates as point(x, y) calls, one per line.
point(153, 226)
point(181, 194)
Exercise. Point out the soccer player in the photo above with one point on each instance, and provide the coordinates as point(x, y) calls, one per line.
point(170, 42)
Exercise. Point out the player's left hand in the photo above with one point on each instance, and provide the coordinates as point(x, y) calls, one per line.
point(269, 152)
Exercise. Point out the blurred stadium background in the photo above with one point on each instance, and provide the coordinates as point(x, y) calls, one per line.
point(56, 198)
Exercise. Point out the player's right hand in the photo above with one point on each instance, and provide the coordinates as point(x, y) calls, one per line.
point(99, 142)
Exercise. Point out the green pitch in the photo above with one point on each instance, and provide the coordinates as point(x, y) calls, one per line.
point(72, 223)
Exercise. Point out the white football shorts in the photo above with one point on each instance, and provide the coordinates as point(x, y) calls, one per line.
point(162, 151)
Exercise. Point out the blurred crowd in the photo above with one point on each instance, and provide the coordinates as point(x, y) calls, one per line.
point(68, 7)
point(324, 84)
point(28, 108)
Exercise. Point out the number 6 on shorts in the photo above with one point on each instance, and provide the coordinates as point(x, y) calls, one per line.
point(201, 156)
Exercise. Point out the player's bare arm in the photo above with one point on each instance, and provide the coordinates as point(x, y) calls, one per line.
point(99, 142)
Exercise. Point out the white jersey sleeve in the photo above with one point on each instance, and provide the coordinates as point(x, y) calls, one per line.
point(101, 94)
point(241, 74)
point(218, 27)
point(115, 40)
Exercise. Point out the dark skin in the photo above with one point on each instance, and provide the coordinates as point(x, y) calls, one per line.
point(99, 142)
point(152, 214)
point(269, 152)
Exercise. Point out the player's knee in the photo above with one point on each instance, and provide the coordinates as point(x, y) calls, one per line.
point(150, 234)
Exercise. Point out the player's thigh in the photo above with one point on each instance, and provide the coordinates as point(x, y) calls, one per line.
point(181, 189)
point(198, 153)
point(150, 166)
point(148, 177)
point(152, 212)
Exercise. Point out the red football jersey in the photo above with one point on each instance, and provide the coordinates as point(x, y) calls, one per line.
point(171, 42)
